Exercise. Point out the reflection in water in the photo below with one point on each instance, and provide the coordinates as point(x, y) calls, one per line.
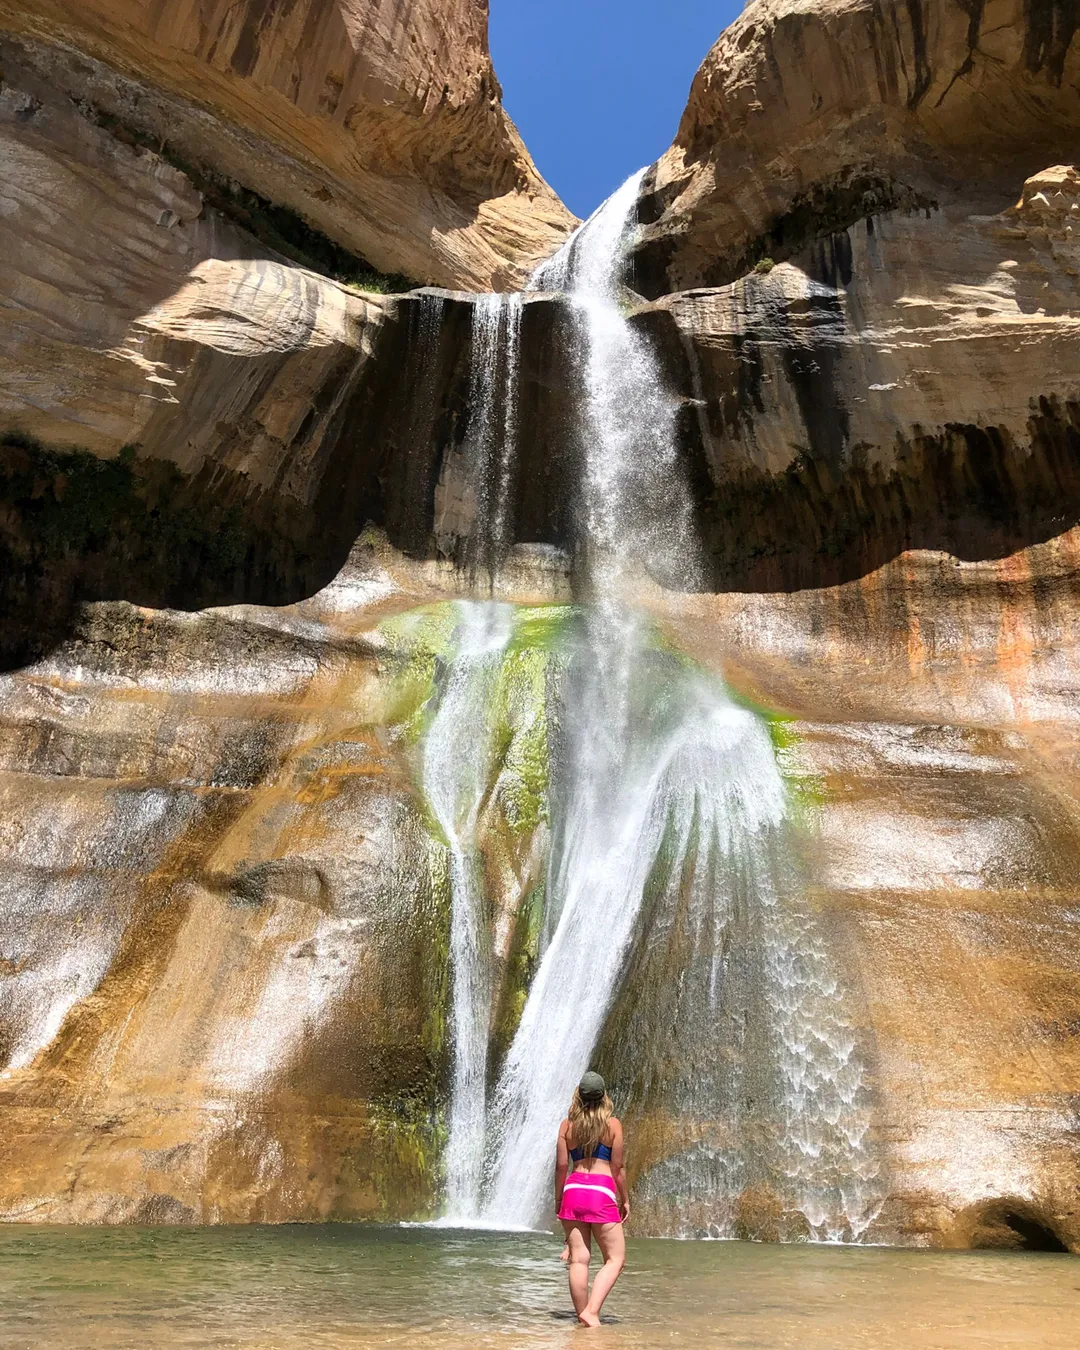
point(280, 1288)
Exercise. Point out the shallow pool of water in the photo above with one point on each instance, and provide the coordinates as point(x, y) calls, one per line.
point(307, 1287)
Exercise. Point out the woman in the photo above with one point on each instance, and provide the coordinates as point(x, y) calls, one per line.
point(591, 1201)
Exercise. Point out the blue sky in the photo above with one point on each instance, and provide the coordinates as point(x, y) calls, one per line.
point(597, 87)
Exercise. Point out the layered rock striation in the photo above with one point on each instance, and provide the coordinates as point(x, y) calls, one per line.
point(810, 115)
point(861, 252)
point(378, 124)
point(212, 869)
point(193, 231)
point(931, 733)
point(907, 383)
point(224, 994)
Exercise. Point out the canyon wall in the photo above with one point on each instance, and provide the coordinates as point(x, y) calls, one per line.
point(862, 263)
point(224, 985)
point(200, 212)
point(379, 124)
point(810, 115)
point(909, 382)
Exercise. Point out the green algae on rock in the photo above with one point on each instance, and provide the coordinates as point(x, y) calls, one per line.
point(287, 883)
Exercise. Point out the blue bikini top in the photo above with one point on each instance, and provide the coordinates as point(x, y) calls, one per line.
point(602, 1153)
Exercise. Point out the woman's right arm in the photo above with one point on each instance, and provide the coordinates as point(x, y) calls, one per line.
point(562, 1163)
point(618, 1168)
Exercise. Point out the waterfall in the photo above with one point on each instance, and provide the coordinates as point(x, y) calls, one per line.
point(456, 755)
point(669, 819)
point(663, 764)
point(635, 507)
point(493, 431)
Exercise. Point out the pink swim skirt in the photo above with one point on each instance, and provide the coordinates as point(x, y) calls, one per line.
point(589, 1197)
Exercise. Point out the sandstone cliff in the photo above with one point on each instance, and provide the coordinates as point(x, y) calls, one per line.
point(178, 282)
point(224, 996)
point(224, 990)
point(810, 115)
point(867, 289)
point(910, 382)
point(379, 124)
point(868, 220)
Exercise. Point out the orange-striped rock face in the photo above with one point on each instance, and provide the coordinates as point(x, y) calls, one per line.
point(224, 992)
point(933, 741)
point(878, 355)
point(225, 942)
point(225, 967)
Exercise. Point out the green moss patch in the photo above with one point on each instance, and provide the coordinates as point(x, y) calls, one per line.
point(807, 791)
point(417, 641)
point(521, 966)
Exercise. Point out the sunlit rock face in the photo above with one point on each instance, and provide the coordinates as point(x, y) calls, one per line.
point(863, 246)
point(934, 741)
point(213, 829)
point(145, 315)
point(376, 122)
point(810, 115)
point(214, 340)
point(174, 394)
point(907, 382)
point(226, 970)
point(225, 979)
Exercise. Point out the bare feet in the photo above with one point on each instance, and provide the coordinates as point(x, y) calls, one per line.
point(587, 1318)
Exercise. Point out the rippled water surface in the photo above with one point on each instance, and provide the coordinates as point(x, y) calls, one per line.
point(357, 1286)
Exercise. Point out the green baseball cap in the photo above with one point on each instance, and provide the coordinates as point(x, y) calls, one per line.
point(592, 1088)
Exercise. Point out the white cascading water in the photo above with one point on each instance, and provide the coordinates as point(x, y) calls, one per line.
point(668, 813)
point(636, 512)
point(692, 771)
point(493, 431)
point(456, 761)
point(632, 772)
point(457, 746)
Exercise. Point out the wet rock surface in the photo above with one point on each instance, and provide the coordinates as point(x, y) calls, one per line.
point(933, 743)
point(223, 989)
point(243, 850)
point(225, 982)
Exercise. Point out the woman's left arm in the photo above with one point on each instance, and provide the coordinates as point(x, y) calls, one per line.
point(562, 1163)
point(618, 1168)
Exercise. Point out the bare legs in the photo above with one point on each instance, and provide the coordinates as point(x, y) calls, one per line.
point(579, 1243)
point(612, 1244)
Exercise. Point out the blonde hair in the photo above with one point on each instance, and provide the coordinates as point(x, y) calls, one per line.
point(589, 1122)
